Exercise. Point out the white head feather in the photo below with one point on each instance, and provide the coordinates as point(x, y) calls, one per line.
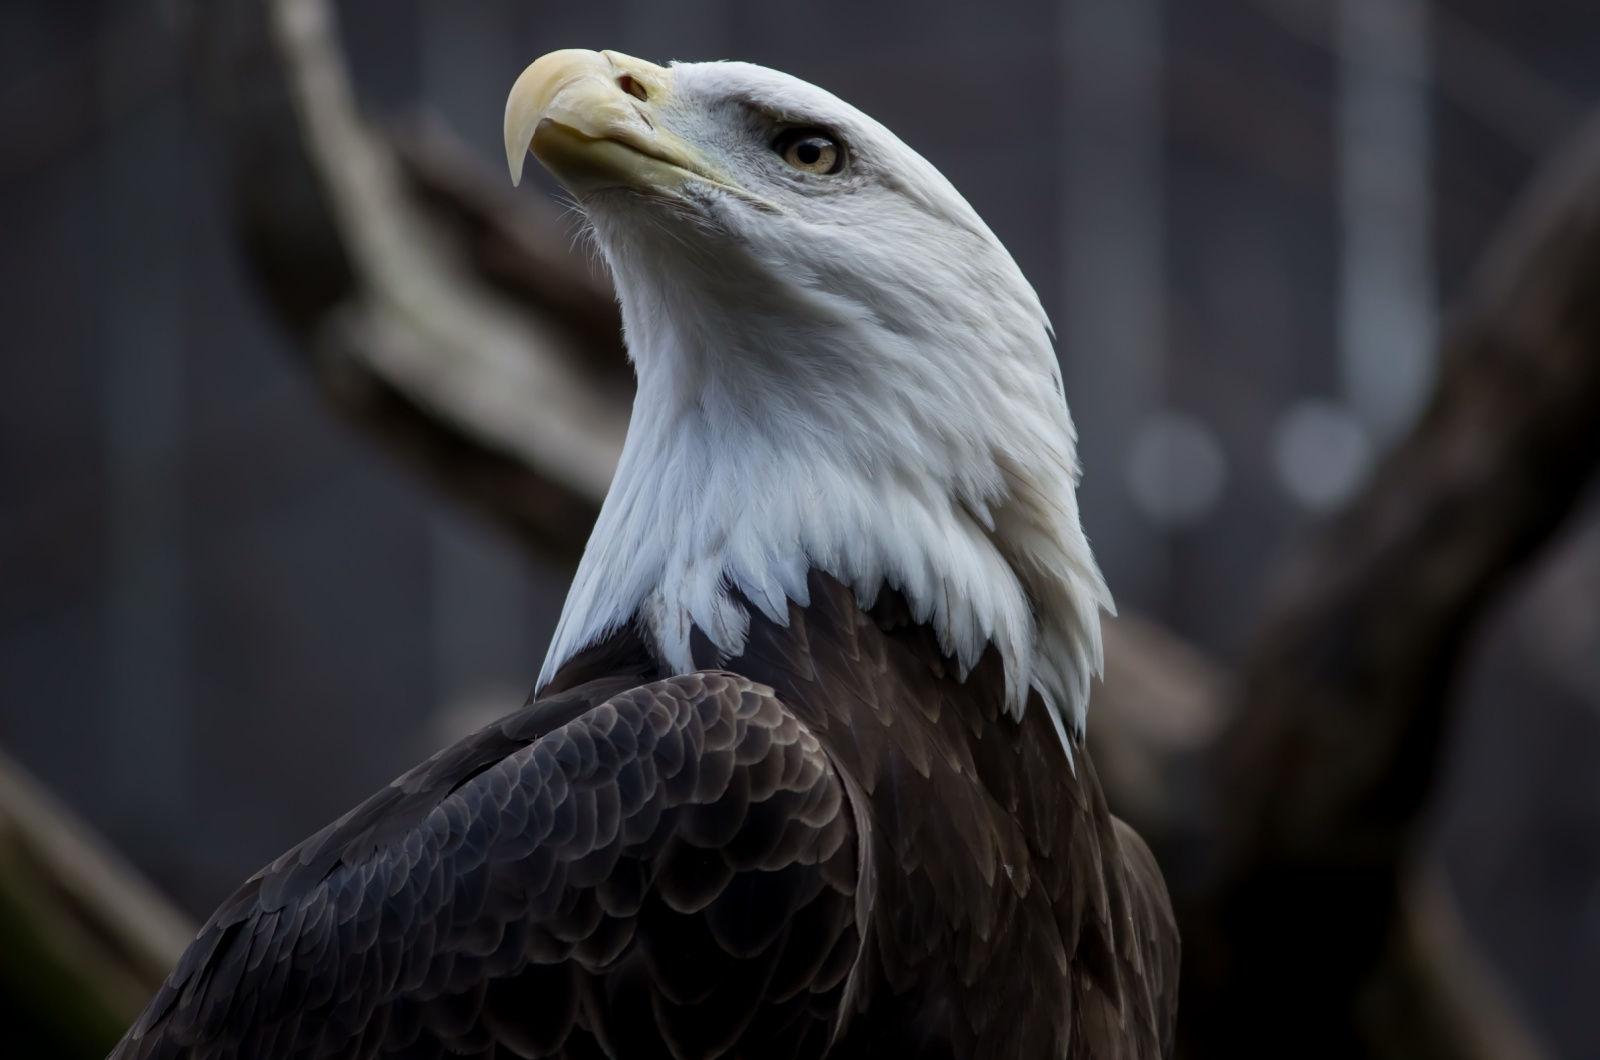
point(845, 372)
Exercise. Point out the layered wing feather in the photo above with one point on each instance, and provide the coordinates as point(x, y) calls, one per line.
point(663, 870)
point(1014, 915)
point(846, 852)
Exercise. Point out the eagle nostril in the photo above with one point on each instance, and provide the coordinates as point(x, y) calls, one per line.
point(630, 84)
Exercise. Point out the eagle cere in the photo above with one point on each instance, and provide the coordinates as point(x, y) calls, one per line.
point(804, 772)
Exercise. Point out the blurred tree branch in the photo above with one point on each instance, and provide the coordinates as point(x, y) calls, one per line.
point(449, 317)
point(1344, 702)
point(84, 940)
point(451, 321)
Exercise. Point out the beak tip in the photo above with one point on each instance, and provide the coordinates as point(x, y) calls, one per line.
point(517, 145)
point(524, 107)
point(593, 76)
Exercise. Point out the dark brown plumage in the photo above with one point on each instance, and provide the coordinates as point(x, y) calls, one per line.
point(827, 846)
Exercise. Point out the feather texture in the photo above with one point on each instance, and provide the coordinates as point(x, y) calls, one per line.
point(831, 846)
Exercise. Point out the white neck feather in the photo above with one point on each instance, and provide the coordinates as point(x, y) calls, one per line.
point(918, 441)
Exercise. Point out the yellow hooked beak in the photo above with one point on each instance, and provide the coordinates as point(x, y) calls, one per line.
point(593, 120)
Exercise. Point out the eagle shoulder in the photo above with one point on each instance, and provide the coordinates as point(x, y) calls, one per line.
point(635, 870)
point(1011, 914)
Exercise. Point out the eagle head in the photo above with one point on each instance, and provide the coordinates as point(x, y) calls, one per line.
point(840, 367)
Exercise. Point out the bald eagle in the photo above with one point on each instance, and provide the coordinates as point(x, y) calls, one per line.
point(804, 773)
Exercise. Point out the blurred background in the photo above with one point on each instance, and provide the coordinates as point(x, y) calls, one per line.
point(229, 611)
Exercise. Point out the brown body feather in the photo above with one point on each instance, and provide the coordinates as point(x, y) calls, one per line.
point(828, 846)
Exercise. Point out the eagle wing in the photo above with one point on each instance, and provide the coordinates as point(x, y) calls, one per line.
point(998, 859)
point(668, 869)
point(1149, 954)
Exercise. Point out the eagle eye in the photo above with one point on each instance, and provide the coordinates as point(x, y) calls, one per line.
point(811, 150)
